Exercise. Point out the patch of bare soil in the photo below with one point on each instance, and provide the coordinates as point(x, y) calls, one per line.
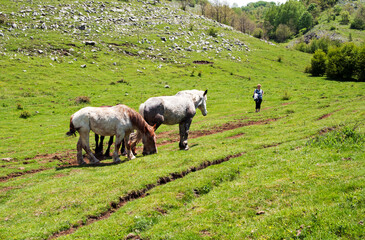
point(218, 129)
point(18, 174)
point(137, 194)
point(324, 116)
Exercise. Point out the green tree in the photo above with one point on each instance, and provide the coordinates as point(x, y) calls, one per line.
point(305, 21)
point(282, 33)
point(318, 63)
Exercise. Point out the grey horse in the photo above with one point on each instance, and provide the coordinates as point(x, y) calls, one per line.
point(178, 109)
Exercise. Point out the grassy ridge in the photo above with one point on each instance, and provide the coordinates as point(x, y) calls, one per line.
point(304, 191)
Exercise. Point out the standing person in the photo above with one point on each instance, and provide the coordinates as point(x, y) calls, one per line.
point(257, 96)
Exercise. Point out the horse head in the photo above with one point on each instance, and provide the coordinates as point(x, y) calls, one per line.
point(149, 141)
point(202, 105)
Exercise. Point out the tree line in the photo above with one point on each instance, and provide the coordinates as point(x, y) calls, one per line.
point(278, 22)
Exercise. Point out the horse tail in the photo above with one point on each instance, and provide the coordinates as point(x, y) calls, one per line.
point(72, 129)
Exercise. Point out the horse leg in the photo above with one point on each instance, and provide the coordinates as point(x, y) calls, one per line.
point(184, 133)
point(122, 150)
point(99, 145)
point(80, 159)
point(107, 152)
point(96, 143)
point(118, 141)
point(84, 135)
point(128, 147)
point(181, 131)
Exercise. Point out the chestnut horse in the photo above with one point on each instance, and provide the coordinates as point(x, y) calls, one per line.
point(118, 120)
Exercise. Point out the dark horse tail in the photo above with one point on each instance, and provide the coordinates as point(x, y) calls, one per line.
point(72, 129)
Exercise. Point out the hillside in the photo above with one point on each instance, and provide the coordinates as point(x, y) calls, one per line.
point(294, 170)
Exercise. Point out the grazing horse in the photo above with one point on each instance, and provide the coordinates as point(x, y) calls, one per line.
point(178, 109)
point(99, 145)
point(118, 120)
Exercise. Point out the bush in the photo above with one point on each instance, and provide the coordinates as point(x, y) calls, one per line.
point(285, 96)
point(213, 32)
point(19, 106)
point(359, 20)
point(25, 114)
point(82, 99)
point(345, 17)
point(360, 64)
point(258, 33)
point(342, 62)
point(3, 19)
point(318, 63)
point(282, 33)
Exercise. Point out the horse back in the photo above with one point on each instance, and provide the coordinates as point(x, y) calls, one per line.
point(173, 109)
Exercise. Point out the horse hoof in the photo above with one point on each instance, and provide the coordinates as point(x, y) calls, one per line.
point(117, 160)
point(82, 163)
point(95, 162)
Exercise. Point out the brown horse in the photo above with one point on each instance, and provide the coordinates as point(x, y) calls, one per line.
point(118, 120)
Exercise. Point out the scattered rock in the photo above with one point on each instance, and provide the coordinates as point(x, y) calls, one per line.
point(260, 213)
point(7, 159)
point(167, 86)
point(90, 43)
point(83, 66)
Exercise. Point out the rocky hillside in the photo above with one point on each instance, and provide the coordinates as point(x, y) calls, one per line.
point(147, 29)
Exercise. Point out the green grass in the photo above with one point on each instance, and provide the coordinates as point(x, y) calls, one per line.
point(305, 187)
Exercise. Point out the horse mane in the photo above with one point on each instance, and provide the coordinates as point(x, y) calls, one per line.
point(138, 122)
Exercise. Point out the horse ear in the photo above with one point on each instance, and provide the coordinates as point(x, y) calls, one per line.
point(205, 93)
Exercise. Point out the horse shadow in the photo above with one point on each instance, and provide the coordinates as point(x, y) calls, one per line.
point(93, 165)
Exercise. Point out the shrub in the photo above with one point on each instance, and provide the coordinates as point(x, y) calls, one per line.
point(359, 20)
point(213, 32)
point(285, 96)
point(82, 99)
point(360, 64)
point(19, 106)
point(3, 19)
point(280, 58)
point(332, 28)
point(282, 33)
point(345, 17)
point(25, 114)
point(318, 63)
point(258, 33)
point(342, 62)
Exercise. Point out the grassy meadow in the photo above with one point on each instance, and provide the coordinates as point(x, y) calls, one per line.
point(293, 171)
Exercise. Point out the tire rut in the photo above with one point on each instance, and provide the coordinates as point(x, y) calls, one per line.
point(137, 194)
